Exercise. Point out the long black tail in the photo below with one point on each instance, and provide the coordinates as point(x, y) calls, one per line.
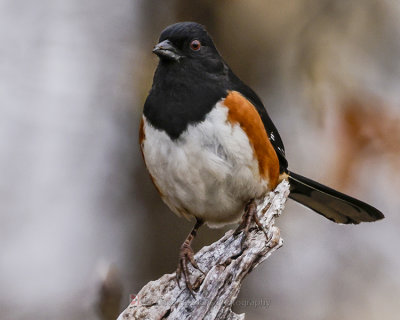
point(330, 203)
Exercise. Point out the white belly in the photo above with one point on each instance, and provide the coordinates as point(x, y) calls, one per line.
point(209, 172)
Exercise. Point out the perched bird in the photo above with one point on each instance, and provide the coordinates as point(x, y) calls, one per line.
point(210, 146)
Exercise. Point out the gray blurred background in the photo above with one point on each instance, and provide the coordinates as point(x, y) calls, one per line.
point(82, 227)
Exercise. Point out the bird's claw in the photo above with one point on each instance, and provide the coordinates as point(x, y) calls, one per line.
point(186, 255)
point(249, 216)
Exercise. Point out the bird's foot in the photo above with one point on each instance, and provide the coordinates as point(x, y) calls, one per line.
point(249, 216)
point(186, 255)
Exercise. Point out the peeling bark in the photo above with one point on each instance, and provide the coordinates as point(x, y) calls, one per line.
point(225, 265)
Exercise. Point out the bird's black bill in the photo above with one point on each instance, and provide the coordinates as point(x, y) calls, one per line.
point(166, 50)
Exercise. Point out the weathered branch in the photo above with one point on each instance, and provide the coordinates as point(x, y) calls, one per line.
point(225, 265)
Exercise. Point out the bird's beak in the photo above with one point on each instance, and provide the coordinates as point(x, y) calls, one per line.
point(166, 50)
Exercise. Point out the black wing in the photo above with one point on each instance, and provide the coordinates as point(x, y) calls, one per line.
point(272, 132)
point(328, 202)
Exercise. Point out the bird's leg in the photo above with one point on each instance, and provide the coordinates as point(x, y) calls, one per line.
point(250, 215)
point(186, 255)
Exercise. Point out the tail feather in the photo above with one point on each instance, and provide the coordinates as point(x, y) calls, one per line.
point(330, 203)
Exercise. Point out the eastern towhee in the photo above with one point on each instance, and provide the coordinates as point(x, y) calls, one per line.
point(210, 146)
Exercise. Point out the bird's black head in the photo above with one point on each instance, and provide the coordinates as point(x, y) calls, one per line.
point(185, 41)
point(190, 79)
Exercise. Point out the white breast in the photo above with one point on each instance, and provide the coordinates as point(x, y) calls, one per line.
point(209, 172)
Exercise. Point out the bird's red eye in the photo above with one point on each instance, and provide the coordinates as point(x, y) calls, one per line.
point(195, 45)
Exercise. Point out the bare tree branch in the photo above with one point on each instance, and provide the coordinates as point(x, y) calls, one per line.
point(225, 265)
